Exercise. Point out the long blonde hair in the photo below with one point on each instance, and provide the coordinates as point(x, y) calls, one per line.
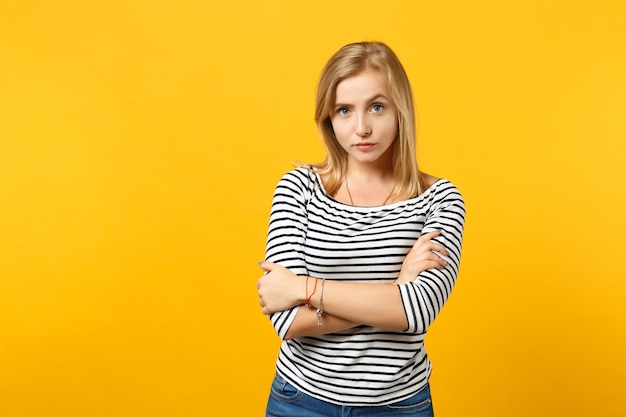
point(349, 61)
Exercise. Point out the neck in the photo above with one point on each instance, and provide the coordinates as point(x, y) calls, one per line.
point(369, 188)
point(376, 172)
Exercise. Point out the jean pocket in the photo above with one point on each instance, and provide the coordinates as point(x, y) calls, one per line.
point(420, 402)
point(283, 390)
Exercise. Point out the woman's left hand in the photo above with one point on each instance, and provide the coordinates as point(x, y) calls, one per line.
point(425, 254)
point(279, 289)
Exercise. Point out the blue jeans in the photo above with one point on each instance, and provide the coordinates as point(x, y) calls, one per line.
point(287, 401)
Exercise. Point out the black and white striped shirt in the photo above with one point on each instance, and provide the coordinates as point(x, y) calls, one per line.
point(312, 234)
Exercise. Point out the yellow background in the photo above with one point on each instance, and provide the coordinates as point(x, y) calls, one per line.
point(141, 142)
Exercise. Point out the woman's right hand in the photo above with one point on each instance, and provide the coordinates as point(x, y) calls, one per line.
point(279, 289)
point(425, 254)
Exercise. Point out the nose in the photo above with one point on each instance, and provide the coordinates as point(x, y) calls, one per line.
point(363, 128)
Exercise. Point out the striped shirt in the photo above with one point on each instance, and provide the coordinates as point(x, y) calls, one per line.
point(312, 234)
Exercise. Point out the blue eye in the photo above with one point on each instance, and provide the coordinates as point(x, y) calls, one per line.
point(342, 111)
point(377, 107)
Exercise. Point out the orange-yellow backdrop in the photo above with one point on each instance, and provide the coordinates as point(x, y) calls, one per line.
point(140, 144)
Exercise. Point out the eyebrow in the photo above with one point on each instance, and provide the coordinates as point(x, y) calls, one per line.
point(376, 97)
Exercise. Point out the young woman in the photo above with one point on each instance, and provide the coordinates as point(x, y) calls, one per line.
point(362, 252)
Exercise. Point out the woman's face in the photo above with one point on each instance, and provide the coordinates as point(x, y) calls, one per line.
point(364, 119)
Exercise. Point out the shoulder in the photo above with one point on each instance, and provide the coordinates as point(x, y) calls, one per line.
point(437, 185)
point(428, 179)
point(300, 177)
point(442, 191)
point(297, 183)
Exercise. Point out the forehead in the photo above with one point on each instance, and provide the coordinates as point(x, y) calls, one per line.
point(363, 86)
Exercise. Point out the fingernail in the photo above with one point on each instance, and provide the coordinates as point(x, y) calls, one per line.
point(260, 263)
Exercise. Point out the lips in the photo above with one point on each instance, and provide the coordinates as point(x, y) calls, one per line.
point(365, 146)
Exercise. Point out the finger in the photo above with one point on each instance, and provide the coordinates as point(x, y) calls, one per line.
point(441, 263)
point(266, 266)
point(436, 247)
point(431, 260)
point(429, 247)
point(430, 235)
point(435, 264)
point(437, 257)
point(425, 239)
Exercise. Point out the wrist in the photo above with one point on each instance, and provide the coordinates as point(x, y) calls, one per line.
point(309, 291)
point(404, 278)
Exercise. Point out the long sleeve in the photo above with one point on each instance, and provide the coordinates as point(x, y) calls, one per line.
point(287, 233)
point(424, 297)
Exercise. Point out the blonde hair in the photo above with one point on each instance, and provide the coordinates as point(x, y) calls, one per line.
point(349, 61)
